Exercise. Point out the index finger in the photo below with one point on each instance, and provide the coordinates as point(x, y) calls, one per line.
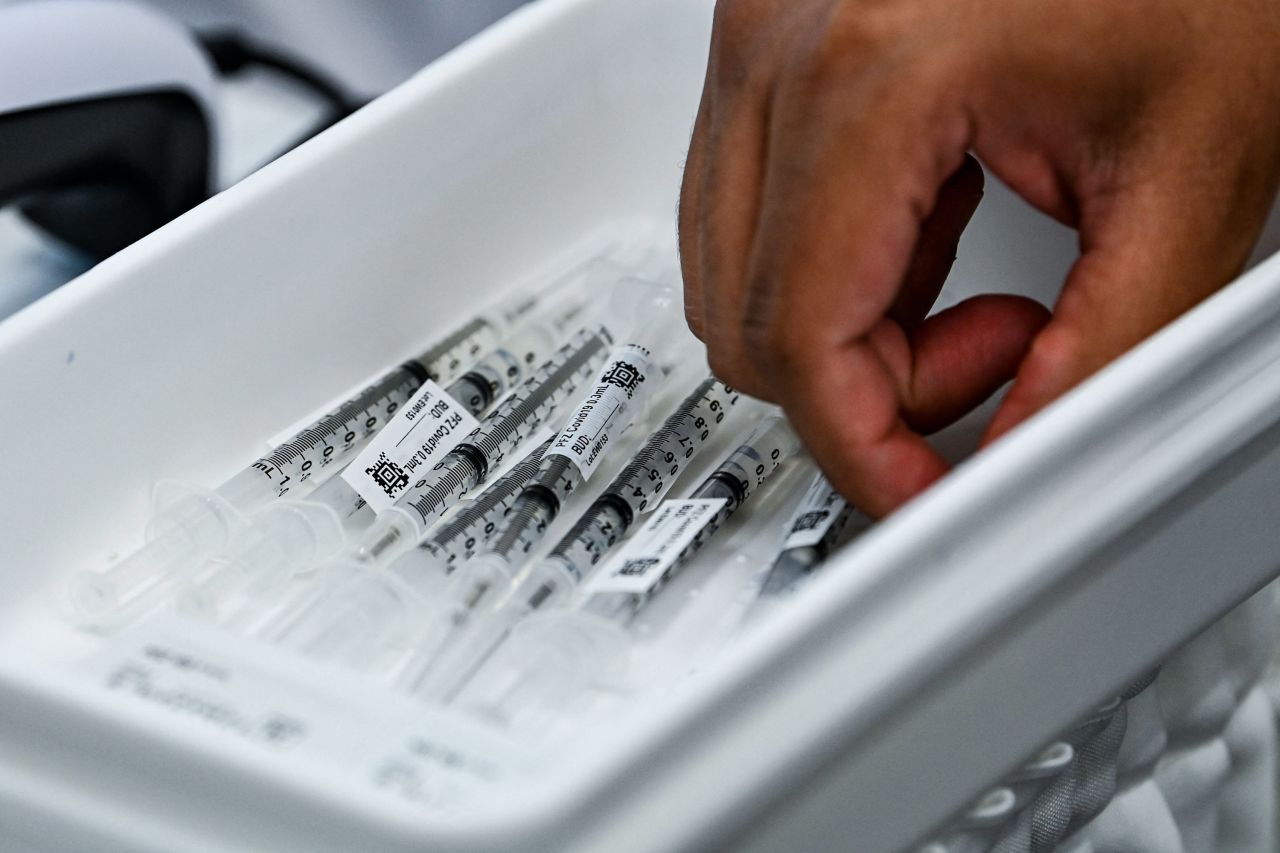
point(854, 170)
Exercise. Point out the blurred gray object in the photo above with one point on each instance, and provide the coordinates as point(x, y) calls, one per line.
point(370, 45)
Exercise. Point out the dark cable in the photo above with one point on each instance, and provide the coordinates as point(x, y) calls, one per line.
point(231, 52)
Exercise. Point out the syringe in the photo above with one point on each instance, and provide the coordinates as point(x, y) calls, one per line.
point(517, 417)
point(483, 449)
point(822, 520)
point(290, 536)
point(190, 520)
point(549, 658)
point(375, 603)
point(637, 488)
point(629, 379)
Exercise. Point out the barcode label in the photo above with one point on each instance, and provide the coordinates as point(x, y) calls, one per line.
point(601, 415)
point(643, 561)
point(429, 425)
point(818, 510)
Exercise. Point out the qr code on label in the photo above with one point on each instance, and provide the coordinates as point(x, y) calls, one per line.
point(638, 567)
point(624, 375)
point(810, 520)
point(389, 476)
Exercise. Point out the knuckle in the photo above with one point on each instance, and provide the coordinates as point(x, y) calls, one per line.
point(732, 370)
point(776, 347)
point(852, 38)
point(1054, 357)
point(859, 36)
point(735, 23)
point(725, 368)
point(693, 318)
point(738, 42)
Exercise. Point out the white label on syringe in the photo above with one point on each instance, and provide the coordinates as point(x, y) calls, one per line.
point(586, 435)
point(818, 510)
point(655, 547)
point(429, 425)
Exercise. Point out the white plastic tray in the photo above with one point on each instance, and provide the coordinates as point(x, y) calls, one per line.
point(942, 649)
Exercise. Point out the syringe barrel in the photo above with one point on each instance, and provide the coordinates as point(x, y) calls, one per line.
point(477, 520)
point(526, 523)
point(393, 533)
point(503, 430)
point(610, 404)
point(500, 370)
point(751, 463)
point(442, 487)
point(593, 535)
point(795, 563)
point(538, 398)
point(733, 481)
point(189, 521)
point(445, 360)
point(686, 431)
point(334, 439)
point(543, 667)
point(643, 482)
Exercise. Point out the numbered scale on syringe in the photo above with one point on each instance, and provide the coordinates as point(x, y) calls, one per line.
point(645, 480)
point(331, 441)
point(521, 414)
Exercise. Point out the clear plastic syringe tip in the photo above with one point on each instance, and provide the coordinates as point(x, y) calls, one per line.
point(190, 520)
point(494, 601)
point(357, 620)
point(543, 667)
point(474, 591)
point(649, 315)
point(279, 541)
point(394, 532)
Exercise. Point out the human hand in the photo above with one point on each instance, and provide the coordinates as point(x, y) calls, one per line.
point(828, 183)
